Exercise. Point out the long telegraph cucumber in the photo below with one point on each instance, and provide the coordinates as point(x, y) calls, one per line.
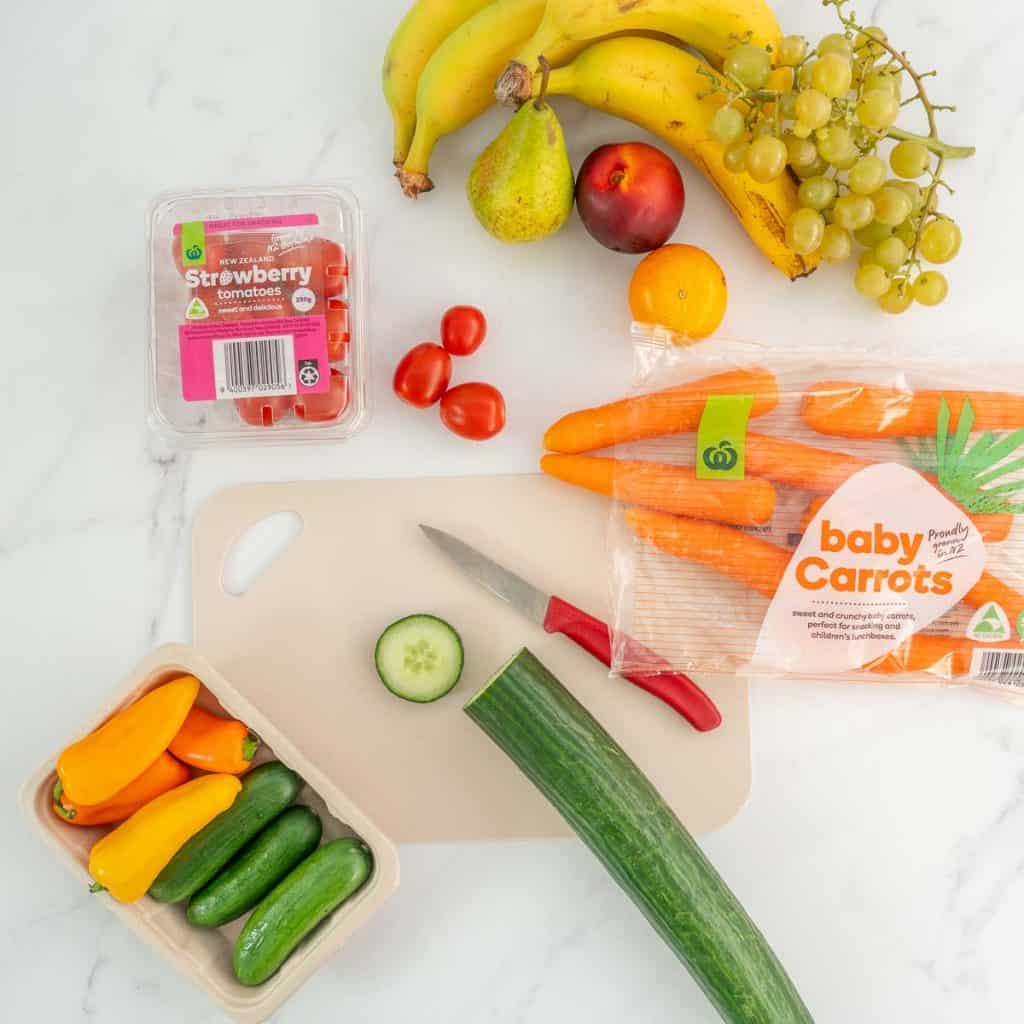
point(616, 811)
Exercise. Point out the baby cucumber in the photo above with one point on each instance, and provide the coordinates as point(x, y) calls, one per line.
point(419, 658)
point(296, 905)
point(266, 792)
point(257, 869)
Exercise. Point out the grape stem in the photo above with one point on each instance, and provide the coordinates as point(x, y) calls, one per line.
point(931, 141)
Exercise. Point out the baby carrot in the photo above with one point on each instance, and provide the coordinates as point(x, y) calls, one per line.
point(948, 656)
point(671, 411)
point(849, 409)
point(669, 488)
point(800, 465)
point(993, 526)
point(757, 563)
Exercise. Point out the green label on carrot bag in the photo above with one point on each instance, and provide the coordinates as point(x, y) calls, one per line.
point(722, 437)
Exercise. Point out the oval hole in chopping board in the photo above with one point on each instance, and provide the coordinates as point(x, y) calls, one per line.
point(257, 549)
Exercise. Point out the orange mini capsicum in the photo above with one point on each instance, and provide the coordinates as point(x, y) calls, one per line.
point(215, 744)
point(97, 767)
point(127, 860)
point(162, 775)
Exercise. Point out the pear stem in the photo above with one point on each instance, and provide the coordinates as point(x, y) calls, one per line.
point(545, 74)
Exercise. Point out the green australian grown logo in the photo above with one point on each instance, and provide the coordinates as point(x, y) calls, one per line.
point(720, 457)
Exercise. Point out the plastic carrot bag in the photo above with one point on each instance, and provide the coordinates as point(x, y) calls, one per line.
point(836, 514)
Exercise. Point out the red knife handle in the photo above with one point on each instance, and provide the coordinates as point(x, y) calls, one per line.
point(678, 691)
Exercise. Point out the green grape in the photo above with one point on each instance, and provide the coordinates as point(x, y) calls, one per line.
point(888, 81)
point(940, 240)
point(787, 105)
point(832, 75)
point(802, 152)
point(871, 280)
point(909, 159)
point(803, 76)
point(892, 206)
point(877, 109)
point(872, 234)
point(930, 288)
point(801, 131)
point(804, 231)
point(897, 299)
point(813, 108)
point(867, 257)
point(835, 144)
point(836, 43)
point(811, 170)
point(853, 211)
point(817, 192)
point(764, 127)
point(735, 156)
point(726, 125)
point(766, 158)
point(748, 64)
point(907, 232)
point(867, 42)
point(912, 189)
point(867, 175)
point(836, 245)
point(890, 254)
point(791, 50)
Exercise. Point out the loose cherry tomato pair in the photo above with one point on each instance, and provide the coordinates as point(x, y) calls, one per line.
point(313, 408)
point(475, 410)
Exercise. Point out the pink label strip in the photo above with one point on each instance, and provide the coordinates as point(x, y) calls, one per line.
point(292, 220)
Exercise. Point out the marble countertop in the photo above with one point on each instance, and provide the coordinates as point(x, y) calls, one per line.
point(880, 850)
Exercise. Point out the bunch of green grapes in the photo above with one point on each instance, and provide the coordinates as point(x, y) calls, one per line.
point(825, 114)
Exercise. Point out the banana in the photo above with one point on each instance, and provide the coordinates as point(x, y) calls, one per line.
point(712, 27)
point(657, 86)
point(425, 26)
point(457, 83)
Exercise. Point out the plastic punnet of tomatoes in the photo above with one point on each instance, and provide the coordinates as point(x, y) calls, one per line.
point(256, 313)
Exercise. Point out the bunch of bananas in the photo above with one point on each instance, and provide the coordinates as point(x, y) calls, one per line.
point(449, 59)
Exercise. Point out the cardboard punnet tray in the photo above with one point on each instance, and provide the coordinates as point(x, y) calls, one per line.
point(204, 955)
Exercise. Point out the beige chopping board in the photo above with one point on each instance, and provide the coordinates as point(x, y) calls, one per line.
point(299, 645)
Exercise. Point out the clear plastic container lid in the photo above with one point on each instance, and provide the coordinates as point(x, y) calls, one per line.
point(256, 316)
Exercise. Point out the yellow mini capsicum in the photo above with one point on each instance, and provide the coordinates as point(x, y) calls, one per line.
point(127, 860)
point(104, 762)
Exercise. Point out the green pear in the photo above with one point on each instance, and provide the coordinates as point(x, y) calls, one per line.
point(521, 186)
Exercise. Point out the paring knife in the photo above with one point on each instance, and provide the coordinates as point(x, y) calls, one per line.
point(557, 616)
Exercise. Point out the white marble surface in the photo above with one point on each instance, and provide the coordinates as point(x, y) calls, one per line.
point(881, 847)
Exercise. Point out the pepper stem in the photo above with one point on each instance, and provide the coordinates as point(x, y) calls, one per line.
point(67, 813)
point(250, 745)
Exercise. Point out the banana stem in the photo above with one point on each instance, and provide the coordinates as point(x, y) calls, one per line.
point(936, 146)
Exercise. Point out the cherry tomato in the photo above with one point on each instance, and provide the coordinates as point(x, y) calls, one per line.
point(463, 329)
point(264, 412)
point(335, 266)
point(680, 287)
point(474, 411)
point(327, 405)
point(423, 375)
point(337, 329)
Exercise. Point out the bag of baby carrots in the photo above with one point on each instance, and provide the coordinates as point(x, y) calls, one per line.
point(819, 515)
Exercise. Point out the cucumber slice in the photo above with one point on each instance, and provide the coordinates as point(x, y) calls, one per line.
point(419, 658)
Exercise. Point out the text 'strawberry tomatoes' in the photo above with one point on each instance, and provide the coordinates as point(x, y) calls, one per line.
point(422, 376)
point(264, 412)
point(474, 411)
point(337, 329)
point(463, 329)
point(679, 287)
point(328, 405)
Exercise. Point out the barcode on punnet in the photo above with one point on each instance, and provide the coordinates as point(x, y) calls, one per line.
point(255, 366)
point(1005, 667)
